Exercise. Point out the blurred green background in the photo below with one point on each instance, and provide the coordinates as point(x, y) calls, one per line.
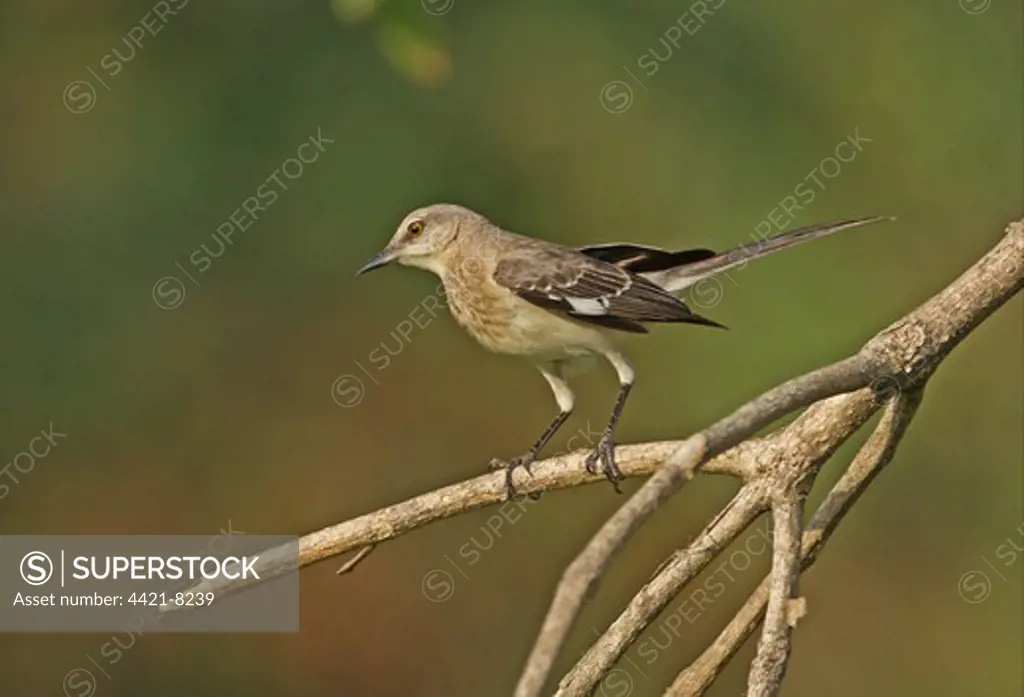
point(580, 122)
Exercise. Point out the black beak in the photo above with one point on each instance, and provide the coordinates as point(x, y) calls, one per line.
point(376, 261)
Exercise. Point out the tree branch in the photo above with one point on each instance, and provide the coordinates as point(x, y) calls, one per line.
point(796, 452)
point(560, 472)
point(873, 456)
point(584, 571)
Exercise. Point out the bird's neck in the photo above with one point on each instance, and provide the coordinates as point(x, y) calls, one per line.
point(427, 263)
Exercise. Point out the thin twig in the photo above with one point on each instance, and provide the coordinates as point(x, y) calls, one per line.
point(356, 558)
point(784, 609)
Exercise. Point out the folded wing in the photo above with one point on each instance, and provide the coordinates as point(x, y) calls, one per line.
point(591, 290)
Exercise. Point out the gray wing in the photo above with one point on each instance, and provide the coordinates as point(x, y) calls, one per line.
point(567, 282)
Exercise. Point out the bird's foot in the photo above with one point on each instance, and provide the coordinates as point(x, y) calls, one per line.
point(524, 461)
point(605, 452)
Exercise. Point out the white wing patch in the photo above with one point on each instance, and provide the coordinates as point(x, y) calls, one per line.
point(593, 307)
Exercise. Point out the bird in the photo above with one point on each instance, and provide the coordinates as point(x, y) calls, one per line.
point(555, 305)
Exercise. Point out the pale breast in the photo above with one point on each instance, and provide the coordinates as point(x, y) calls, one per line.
point(504, 323)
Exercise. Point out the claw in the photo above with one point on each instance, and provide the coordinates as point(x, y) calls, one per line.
point(524, 461)
point(605, 452)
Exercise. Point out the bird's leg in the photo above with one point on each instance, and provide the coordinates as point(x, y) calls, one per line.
point(565, 399)
point(605, 450)
point(526, 460)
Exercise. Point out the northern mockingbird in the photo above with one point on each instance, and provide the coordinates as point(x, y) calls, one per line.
point(552, 304)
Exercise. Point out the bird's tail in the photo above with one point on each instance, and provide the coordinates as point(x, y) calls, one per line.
point(690, 272)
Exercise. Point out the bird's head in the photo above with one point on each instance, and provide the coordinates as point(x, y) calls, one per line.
point(422, 238)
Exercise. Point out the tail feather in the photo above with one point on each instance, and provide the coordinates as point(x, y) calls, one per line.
point(685, 275)
point(640, 259)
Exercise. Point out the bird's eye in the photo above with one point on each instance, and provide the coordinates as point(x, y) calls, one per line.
point(415, 228)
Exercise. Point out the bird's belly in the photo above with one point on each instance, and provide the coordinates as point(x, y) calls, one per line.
point(524, 330)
